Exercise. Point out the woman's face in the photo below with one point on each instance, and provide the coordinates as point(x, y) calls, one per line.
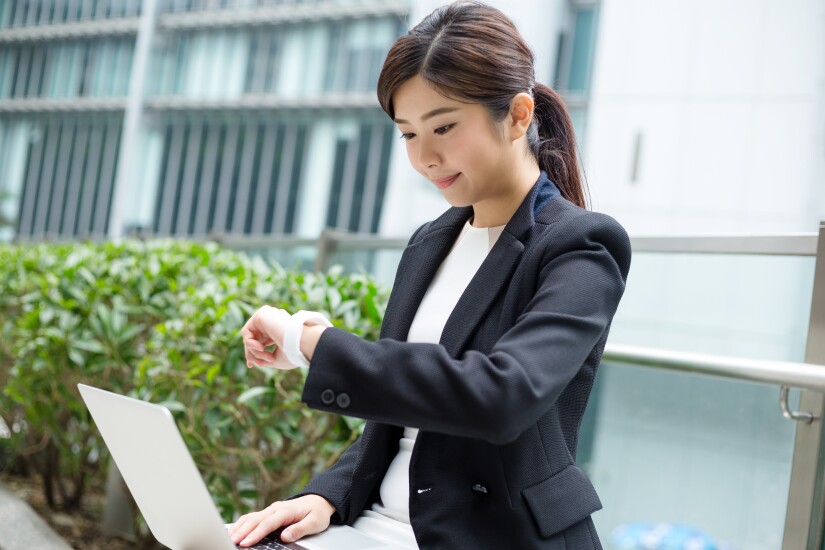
point(453, 144)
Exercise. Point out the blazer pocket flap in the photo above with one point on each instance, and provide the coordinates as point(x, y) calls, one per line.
point(562, 500)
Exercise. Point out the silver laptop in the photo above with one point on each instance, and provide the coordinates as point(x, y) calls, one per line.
point(150, 453)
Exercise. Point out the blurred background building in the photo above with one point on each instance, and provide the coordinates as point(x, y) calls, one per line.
point(258, 117)
point(184, 118)
point(256, 121)
point(235, 117)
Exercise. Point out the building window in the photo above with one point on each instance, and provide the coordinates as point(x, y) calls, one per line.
point(285, 60)
point(359, 178)
point(66, 69)
point(68, 176)
point(219, 146)
point(574, 65)
point(24, 13)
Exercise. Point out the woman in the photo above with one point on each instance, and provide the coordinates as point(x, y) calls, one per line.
point(495, 326)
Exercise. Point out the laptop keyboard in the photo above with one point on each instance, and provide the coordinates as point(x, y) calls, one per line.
point(267, 543)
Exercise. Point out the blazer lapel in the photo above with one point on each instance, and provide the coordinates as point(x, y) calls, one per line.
point(416, 270)
point(485, 285)
point(420, 262)
point(494, 273)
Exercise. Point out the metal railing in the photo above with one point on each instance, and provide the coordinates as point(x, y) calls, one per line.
point(791, 244)
point(333, 241)
point(804, 519)
point(804, 376)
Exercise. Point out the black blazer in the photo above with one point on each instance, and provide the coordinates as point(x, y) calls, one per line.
point(499, 400)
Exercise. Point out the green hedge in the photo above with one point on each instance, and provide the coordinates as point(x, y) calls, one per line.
point(160, 320)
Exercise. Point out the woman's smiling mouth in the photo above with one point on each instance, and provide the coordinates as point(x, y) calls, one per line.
point(446, 182)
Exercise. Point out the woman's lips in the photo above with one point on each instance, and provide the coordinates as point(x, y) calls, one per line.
point(446, 182)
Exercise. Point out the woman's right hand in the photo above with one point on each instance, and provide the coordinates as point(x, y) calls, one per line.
point(302, 516)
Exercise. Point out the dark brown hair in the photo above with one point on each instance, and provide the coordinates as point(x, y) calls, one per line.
point(470, 51)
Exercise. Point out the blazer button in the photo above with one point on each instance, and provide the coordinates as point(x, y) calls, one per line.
point(327, 397)
point(343, 400)
point(480, 490)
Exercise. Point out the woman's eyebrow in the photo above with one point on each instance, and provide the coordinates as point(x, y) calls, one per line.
point(431, 114)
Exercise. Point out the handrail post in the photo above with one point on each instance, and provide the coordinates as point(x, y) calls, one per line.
point(804, 521)
point(327, 245)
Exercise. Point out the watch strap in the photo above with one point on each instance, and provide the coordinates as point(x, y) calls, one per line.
point(293, 331)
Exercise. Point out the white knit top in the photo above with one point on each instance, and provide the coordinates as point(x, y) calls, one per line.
point(389, 519)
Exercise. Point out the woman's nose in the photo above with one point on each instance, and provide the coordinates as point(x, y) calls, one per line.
point(428, 156)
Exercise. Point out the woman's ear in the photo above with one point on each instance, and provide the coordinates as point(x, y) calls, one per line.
point(521, 113)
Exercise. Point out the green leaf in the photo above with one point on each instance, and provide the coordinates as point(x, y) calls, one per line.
point(76, 357)
point(253, 393)
point(174, 406)
point(160, 320)
point(274, 436)
point(212, 373)
point(89, 345)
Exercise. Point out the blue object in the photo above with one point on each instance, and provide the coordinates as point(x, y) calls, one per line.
point(662, 536)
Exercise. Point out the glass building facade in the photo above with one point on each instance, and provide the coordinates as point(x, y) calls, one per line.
point(574, 62)
point(253, 118)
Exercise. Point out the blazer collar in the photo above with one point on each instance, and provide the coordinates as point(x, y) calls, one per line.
point(421, 260)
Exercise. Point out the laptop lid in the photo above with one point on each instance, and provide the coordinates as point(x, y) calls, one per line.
point(155, 463)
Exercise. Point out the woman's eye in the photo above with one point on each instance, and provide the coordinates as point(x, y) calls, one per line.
point(407, 136)
point(444, 129)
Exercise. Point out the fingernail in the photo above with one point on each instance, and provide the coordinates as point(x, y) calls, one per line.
point(286, 536)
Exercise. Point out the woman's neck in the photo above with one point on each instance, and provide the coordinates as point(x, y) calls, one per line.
point(498, 210)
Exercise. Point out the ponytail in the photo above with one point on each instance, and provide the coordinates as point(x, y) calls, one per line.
point(553, 143)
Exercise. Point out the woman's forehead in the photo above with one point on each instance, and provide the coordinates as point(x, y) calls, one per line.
point(416, 101)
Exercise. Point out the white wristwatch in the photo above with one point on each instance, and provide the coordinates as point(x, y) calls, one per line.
point(292, 334)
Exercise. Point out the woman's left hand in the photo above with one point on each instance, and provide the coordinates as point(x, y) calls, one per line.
point(263, 329)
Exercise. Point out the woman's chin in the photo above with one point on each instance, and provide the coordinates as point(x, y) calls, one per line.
point(455, 200)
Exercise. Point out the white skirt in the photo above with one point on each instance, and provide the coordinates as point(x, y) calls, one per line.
point(389, 520)
point(386, 529)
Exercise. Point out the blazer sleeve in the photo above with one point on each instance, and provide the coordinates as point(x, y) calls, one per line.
point(335, 483)
point(498, 395)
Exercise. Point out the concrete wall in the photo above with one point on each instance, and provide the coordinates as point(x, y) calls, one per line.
point(726, 99)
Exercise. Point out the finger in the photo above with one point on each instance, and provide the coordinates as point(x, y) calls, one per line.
point(247, 329)
point(254, 344)
point(276, 359)
point(260, 356)
point(243, 530)
point(258, 337)
point(251, 361)
point(268, 524)
point(311, 524)
point(242, 527)
point(257, 363)
point(233, 527)
point(259, 343)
